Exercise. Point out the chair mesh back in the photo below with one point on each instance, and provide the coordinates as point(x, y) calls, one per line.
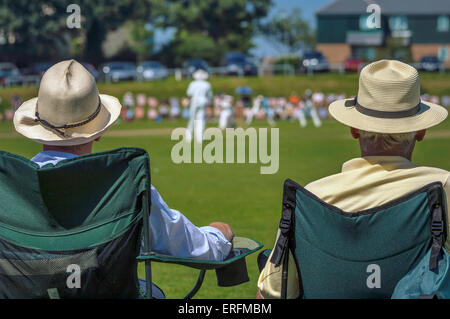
point(72, 230)
point(358, 255)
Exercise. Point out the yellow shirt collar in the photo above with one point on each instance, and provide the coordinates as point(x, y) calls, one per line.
point(386, 162)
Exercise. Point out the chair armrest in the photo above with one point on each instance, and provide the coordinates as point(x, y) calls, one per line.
point(242, 247)
point(230, 272)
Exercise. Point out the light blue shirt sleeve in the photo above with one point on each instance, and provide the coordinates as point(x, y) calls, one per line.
point(51, 157)
point(173, 234)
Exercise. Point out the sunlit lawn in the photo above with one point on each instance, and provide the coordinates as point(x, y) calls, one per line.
point(238, 193)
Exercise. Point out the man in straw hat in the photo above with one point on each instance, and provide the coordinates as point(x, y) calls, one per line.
point(67, 117)
point(201, 95)
point(387, 117)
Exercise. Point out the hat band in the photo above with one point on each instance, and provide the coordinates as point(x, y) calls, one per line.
point(382, 114)
point(59, 129)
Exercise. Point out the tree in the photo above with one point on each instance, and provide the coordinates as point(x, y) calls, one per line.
point(218, 25)
point(102, 16)
point(290, 30)
point(141, 39)
point(186, 43)
point(32, 29)
point(38, 30)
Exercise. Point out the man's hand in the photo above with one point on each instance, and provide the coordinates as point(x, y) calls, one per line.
point(225, 229)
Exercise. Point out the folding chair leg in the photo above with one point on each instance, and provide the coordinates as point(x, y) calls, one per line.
point(284, 274)
point(148, 279)
point(147, 243)
point(197, 286)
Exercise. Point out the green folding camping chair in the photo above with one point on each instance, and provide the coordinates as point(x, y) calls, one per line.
point(74, 230)
point(357, 255)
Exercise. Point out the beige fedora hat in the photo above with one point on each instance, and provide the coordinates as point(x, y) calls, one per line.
point(68, 109)
point(388, 101)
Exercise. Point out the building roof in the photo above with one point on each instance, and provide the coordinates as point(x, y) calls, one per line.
point(388, 7)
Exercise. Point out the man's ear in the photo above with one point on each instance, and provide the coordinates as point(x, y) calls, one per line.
point(355, 133)
point(98, 139)
point(420, 135)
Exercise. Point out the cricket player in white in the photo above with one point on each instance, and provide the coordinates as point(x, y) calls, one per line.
point(307, 106)
point(200, 92)
point(255, 108)
point(226, 111)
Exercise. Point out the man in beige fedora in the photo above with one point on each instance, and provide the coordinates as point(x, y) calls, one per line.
point(387, 118)
point(67, 117)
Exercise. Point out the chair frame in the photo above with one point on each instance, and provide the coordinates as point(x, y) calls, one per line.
point(438, 221)
point(147, 256)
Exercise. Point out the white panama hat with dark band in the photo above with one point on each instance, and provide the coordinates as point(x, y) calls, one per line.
point(68, 110)
point(388, 101)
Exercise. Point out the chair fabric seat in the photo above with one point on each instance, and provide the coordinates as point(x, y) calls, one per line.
point(337, 253)
point(81, 218)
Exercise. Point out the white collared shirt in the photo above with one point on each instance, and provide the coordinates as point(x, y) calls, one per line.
point(172, 233)
point(200, 93)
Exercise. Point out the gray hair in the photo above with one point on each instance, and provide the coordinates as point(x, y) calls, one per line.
point(387, 141)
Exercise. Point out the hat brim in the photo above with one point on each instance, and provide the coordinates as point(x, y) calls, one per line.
point(429, 115)
point(25, 124)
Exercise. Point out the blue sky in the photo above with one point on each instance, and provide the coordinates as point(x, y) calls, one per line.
point(309, 7)
point(263, 46)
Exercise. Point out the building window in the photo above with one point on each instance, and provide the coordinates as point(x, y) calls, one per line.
point(443, 24)
point(398, 23)
point(363, 22)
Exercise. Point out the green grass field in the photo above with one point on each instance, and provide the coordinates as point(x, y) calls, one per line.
point(238, 193)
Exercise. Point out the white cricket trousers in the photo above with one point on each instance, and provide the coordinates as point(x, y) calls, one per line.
point(315, 117)
point(225, 119)
point(197, 123)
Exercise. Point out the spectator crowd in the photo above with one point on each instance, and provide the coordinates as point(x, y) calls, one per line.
point(239, 108)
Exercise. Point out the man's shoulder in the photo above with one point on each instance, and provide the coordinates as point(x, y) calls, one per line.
point(436, 172)
point(349, 181)
point(325, 184)
point(322, 180)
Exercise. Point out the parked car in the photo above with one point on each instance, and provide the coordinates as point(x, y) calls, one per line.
point(37, 69)
point(430, 63)
point(192, 65)
point(91, 69)
point(238, 63)
point(151, 70)
point(9, 74)
point(117, 71)
point(353, 64)
point(314, 61)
